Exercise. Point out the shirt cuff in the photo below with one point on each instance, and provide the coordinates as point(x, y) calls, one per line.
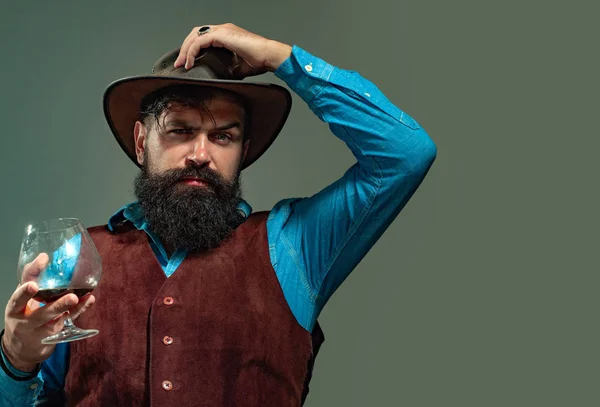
point(20, 388)
point(304, 73)
point(11, 371)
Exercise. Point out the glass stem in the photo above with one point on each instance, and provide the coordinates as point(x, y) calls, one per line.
point(68, 322)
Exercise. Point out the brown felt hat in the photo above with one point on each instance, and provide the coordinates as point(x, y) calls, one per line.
point(267, 104)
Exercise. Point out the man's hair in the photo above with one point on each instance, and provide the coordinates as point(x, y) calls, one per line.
point(156, 103)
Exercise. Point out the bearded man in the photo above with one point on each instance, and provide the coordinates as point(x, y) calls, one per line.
point(203, 302)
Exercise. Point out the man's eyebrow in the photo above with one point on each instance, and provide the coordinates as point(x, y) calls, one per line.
point(178, 123)
point(231, 125)
point(182, 123)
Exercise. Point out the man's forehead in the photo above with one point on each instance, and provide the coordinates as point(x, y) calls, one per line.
point(217, 108)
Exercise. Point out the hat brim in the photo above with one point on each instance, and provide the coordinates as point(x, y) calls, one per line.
point(269, 106)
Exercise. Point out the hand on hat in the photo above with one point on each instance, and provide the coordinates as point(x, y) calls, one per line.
point(258, 54)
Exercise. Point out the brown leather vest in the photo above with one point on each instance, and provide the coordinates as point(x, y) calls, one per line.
point(218, 332)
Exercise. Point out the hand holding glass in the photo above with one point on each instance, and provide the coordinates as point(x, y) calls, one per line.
point(74, 266)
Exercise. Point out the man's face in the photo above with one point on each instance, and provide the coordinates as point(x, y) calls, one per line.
point(189, 185)
point(186, 136)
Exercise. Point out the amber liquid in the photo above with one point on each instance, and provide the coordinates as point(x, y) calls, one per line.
point(51, 295)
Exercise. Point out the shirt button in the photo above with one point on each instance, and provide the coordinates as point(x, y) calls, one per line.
point(308, 68)
point(168, 301)
point(33, 386)
point(167, 385)
point(167, 340)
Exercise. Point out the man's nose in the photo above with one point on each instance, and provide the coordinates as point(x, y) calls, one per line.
point(198, 155)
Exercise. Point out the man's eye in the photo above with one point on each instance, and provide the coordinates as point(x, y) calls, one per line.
point(180, 131)
point(222, 136)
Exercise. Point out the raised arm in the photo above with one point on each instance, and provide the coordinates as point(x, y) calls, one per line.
point(325, 236)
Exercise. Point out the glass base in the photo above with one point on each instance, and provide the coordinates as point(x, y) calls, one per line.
point(69, 335)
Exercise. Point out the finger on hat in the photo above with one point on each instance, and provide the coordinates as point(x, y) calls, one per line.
point(180, 60)
point(196, 46)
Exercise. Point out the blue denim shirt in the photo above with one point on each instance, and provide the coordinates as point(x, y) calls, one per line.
point(314, 242)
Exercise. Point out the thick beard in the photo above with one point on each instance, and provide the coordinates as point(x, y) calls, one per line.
point(195, 219)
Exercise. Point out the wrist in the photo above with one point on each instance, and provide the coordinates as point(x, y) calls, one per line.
point(16, 362)
point(278, 53)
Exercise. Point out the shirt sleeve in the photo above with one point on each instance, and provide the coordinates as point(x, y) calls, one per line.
point(319, 240)
point(19, 389)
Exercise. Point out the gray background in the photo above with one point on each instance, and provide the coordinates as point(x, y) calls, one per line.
point(483, 292)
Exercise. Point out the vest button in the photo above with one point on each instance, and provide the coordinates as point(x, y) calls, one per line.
point(167, 340)
point(168, 301)
point(167, 385)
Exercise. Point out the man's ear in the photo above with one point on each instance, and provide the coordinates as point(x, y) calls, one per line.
point(139, 135)
point(245, 150)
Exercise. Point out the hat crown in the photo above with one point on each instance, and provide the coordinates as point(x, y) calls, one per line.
point(212, 63)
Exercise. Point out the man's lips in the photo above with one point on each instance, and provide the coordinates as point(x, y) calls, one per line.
point(194, 181)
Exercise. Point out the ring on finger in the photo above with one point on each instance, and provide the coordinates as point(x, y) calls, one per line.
point(203, 30)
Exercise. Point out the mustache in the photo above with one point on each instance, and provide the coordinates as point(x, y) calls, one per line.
point(211, 177)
